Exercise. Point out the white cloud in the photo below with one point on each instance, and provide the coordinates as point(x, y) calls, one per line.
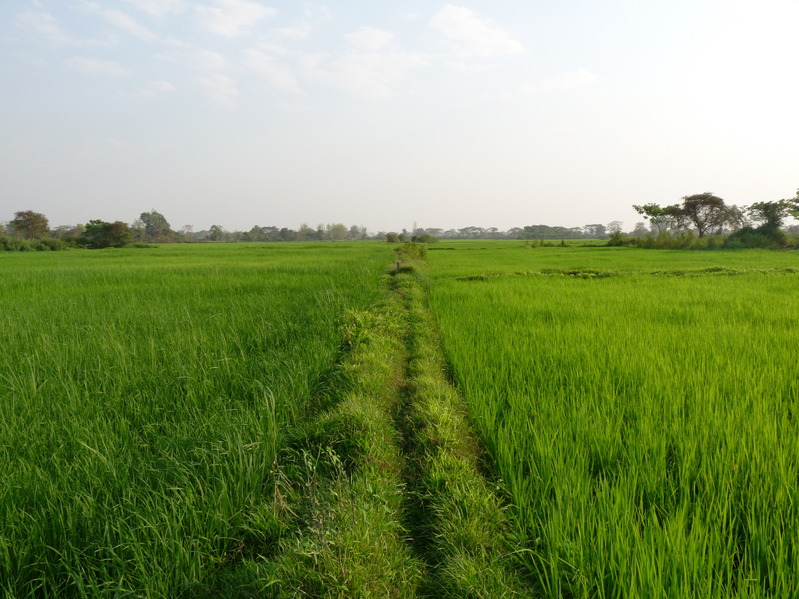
point(44, 25)
point(212, 69)
point(220, 88)
point(371, 67)
point(466, 34)
point(205, 61)
point(156, 88)
point(123, 21)
point(94, 66)
point(374, 74)
point(578, 78)
point(159, 8)
point(466, 68)
point(209, 60)
point(317, 11)
point(311, 64)
point(268, 61)
point(370, 38)
point(232, 18)
point(295, 33)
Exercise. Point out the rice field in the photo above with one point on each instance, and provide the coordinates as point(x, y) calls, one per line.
point(637, 405)
point(142, 397)
point(639, 408)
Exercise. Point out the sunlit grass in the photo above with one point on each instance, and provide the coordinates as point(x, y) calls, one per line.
point(142, 394)
point(644, 423)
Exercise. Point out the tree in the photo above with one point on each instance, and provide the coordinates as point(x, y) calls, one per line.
point(29, 224)
point(595, 231)
point(639, 230)
point(67, 231)
point(336, 232)
point(100, 234)
point(662, 218)
point(614, 227)
point(216, 233)
point(287, 234)
point(705, 211)
point(156, 227)
point(732, 219)
point(770, 215)
point(356, 232)
point(547, 232)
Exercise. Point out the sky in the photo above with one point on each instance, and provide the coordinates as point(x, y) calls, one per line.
point(392, 114)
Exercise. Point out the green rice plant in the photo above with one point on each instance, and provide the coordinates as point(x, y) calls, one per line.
point(142, 398)
point(643, 424)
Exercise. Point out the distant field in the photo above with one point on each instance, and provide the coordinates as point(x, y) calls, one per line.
point(142, 395)
point(640, 407)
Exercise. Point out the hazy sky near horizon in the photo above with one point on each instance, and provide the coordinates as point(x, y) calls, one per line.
point(384, 114)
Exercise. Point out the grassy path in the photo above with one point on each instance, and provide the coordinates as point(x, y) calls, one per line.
point(381, 494)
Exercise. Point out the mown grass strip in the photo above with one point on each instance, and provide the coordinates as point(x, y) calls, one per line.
point(461, 519)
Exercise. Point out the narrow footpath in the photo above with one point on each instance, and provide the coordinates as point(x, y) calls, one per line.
point(382, 493)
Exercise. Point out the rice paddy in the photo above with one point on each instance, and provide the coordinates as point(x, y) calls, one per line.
point(639, 408)
point(142, 398)
point(276, 420)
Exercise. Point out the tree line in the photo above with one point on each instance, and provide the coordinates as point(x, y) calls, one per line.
point(30, 230)
point(700, 220)
point(704, 215)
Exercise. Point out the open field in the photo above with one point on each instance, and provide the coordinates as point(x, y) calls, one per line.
point(142, 398)
point(276, 420)
point(639, 406)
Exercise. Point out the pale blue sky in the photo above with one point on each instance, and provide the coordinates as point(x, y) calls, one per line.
point(382, 114)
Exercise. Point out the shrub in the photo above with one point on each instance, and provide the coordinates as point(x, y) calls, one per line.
point(13, 244)
point(414, 250)
point(426, 238)
point(748, 237)
point(618, 239)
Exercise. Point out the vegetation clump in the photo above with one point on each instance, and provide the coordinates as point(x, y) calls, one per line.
point(99, 234)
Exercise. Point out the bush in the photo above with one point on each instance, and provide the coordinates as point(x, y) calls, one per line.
point(54, 245)
point(749, 237)
point(414, 250)
point(13, 244)
point(426, 238)
point(684, 240)
point(618, 239)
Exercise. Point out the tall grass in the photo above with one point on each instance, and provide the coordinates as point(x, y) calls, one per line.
point(142, 394)
point(642, 418)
